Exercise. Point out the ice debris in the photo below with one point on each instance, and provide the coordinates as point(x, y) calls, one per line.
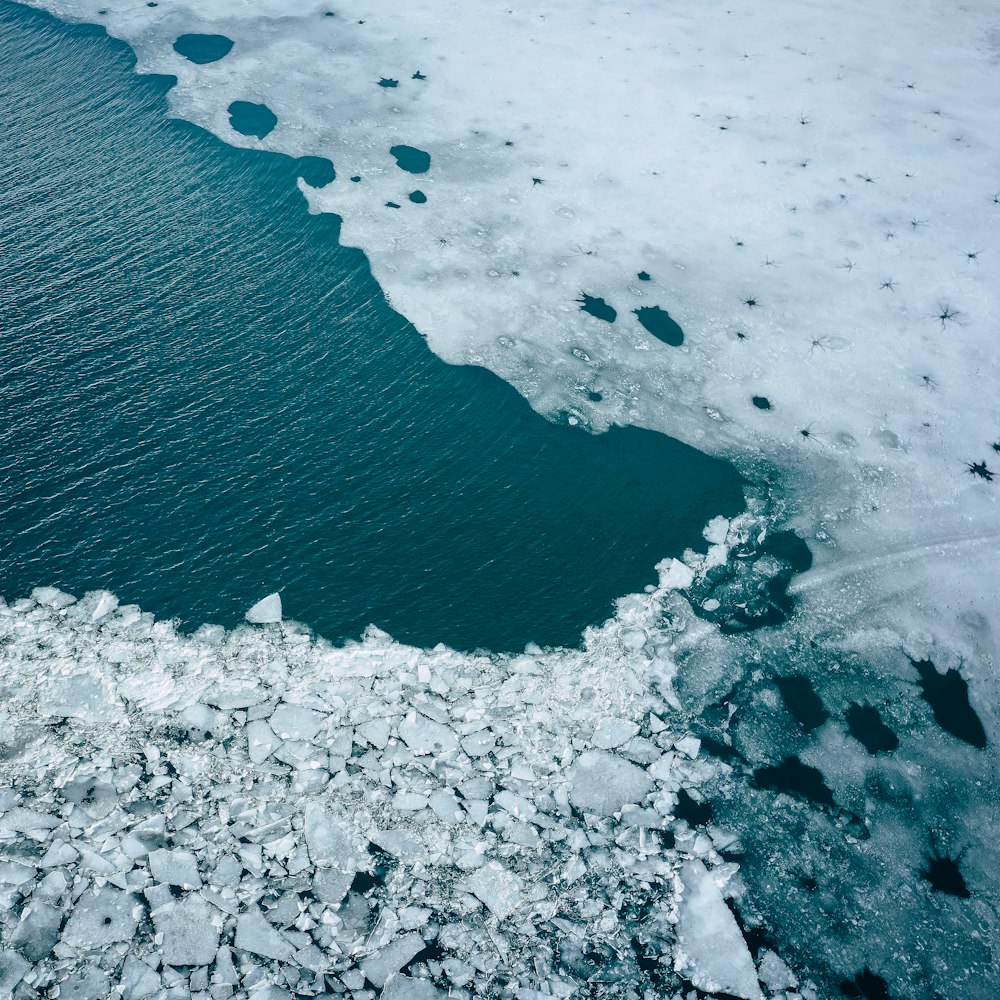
point(266, 611)
point(286, 818)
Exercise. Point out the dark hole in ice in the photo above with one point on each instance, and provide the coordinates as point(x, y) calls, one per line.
point(758, 938)
point(802, 701)
point(382, 864)
point(203, 49)
point(944, 875)
point(107, 921)
point(693, 812)
point(597, 307)
point(761, 402)
point(795, 778)
point(948, 696)
point(248, 118)
point(809, 883)
point(644, 276)
point(594, 397)
point(866, 984)
point(431, 952)
point(865, 724)
point(418, 197)
point(316, 171)
point(411, 159)
point(649, 965)
point(356, 179)
point(788, 547)
point(658, 322)
point(719, 749)
point(387, 82)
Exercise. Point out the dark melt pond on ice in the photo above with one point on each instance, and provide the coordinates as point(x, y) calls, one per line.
point(207, 398)
point(202, 49)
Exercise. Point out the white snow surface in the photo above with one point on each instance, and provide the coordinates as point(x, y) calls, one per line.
point(834, 163)
point(812, 190)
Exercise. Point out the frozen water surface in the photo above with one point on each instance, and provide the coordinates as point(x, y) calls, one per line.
point(810, 193)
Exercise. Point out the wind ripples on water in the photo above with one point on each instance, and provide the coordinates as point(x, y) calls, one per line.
point(206, 398)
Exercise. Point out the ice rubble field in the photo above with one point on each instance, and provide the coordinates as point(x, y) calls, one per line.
point(811, 192)
point(257, 812)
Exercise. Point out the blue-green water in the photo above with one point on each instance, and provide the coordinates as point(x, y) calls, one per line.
point(205, 398)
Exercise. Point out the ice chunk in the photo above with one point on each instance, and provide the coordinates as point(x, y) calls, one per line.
point(401, 987)
point(261, 741)
point(603, 783)
point(13, 969)
point(266, 611)
point(295, 722)
point(190, 935)
point(138, 980)
point(255, 934)
point(711, 952)
point(330, 843)
point(175, 868)
point(102, 918)
point(390, 959)
point(500, 889)
point(424, 736)
point(38, 930)
point(611, 733)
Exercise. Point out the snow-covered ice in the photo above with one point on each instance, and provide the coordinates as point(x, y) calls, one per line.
point(811, 192)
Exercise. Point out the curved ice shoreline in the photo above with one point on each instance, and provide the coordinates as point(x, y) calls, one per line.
point(256, 812)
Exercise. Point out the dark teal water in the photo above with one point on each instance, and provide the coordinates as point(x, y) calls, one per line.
point(205, 398)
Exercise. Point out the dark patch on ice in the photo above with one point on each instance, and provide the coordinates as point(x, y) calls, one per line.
point(948, 696)
point(795, 778)
point(391, 204)
point(693, 812)
point(758, 938)
point(659, 323)
point(594, 397)
point(382, 864)
point(980, 470)
point(721, 750)
point(944, 875)
point(316, 171)
point(356, 179)
point(411, 159)
point(252, 119)
point(202, 49)
point(801, 700)
point(431, 952)
point(597, 307)
point(752, 586)
point(761, 402)
point(418, 76)
point(644, 276)
point(865, 724)
point(417, 197)
point(387, 82)
point(790, 548)
point(866, 984)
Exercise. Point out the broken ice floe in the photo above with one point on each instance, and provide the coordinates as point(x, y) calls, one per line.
point(289, 818)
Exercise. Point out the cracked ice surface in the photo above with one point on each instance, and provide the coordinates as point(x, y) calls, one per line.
point(155, 845)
